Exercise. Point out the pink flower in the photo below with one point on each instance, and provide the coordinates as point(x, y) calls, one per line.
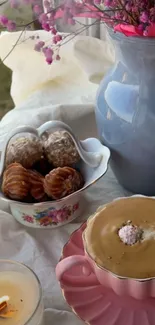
point(39, 45)
point(117, 15)
point(54, 31)
point(11, 26)
point(62, 214)
point(128, 7)
point(28, 219)
point(58, 38)
point(46, 27)
point(97, 2)
point(144, 17)
point(54, 40)
point(43, 18)
point(44, 49)
point(107, 3)
point(75, 207)
point(3, 20)
point(141, 27)
point(37, 9)
point(49, 60)
point(145, 33)
point(14, 4)
point(48, 54)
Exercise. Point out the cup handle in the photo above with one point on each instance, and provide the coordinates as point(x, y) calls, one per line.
point(65, 264)
point(90, 158)
point(17, 130)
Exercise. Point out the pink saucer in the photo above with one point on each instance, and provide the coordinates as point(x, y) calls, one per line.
point(95, 304)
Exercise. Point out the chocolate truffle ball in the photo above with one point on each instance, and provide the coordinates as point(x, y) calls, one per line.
point(60, 150)
point(62, 181)
point(26, 151)
point(15, 184)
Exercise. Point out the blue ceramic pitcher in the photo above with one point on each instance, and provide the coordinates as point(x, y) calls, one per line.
point(125, 112)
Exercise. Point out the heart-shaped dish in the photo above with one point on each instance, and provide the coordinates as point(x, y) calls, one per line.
point(50, 214)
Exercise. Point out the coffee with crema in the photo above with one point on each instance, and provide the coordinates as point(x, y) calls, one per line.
point(120, 237)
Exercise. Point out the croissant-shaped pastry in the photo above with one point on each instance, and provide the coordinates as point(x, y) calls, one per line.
point(62, 181)
point(15, 184)
point(37, 185)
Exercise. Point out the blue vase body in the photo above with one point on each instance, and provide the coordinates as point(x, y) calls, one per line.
point(125, 112)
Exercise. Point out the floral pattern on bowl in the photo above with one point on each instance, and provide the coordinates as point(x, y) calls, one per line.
point(52, 216)
point(49, 214)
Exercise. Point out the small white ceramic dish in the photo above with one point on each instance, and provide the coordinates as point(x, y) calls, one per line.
point(51, 214)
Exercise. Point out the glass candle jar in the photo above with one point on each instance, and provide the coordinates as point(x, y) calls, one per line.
point(21, 291)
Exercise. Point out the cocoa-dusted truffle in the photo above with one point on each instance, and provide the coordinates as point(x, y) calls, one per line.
point(15, 184)
point(26, 151)
point(60, 150)
point(36, 181)
point(61, 182)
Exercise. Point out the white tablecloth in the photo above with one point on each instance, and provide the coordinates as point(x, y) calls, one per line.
point(64, 91)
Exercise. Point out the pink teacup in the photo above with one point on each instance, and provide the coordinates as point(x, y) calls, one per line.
point(139, 288)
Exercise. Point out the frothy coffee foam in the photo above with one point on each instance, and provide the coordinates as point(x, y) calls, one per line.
point(109, 251)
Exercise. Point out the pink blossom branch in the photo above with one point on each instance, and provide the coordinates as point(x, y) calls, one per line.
point(139, 14)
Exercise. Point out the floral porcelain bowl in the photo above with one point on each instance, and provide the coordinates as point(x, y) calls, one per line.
point(51, 214)
point(138, 281)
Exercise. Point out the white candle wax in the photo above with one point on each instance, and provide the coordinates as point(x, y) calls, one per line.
point(24, 298)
